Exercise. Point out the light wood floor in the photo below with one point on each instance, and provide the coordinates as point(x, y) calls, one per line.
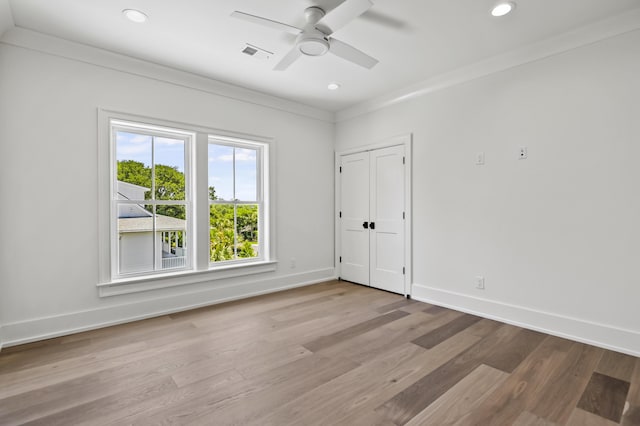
point(328, 354)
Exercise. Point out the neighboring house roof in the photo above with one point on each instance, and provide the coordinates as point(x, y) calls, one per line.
point(145, 224)
point(124, 186)
point(128, 191)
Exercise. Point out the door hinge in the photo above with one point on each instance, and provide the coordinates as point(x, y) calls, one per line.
point(340, 169)
point(403, 270)
point(403, 160)
point(340, 214)
point(403, 215)
point(340, 259)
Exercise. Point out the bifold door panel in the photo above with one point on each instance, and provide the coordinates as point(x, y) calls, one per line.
point(355, 218)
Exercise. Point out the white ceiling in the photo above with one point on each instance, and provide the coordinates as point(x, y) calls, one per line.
point(414, 40)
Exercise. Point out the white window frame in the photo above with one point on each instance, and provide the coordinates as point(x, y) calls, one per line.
point(199, 269)
point(116, 125)
point(262, 152)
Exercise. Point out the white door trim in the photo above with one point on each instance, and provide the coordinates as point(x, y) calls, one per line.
point(407, 141)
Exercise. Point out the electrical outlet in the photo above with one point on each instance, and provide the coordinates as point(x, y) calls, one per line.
point(480, 158)
point(522, 153)
point(480, 282)
point(293, 263)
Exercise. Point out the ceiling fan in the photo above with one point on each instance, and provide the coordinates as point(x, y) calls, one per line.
point(314, 39)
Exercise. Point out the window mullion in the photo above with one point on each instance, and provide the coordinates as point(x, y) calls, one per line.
point(235, 209)
point(202, 225)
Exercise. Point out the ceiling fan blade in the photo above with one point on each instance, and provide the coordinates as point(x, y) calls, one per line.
point(351, 54)
point(266, 22)
point(345, 13)
point(288, 59)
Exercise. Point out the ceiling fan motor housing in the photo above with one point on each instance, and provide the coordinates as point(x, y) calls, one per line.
point(313, 42)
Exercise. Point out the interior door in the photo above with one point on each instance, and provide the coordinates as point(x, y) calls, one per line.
point(354, 202)
point(386, 216)
point(372, 218)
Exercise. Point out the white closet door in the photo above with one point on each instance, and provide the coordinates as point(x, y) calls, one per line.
point(386, 215)
point(354, 202)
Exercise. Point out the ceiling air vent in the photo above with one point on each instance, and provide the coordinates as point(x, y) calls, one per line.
point(257, 52)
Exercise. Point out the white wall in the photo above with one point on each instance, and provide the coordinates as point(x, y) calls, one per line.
point(556, 236)
point(48, 185)
point(6, 18)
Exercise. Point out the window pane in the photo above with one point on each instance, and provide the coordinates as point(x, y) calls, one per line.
point(168, 156)
point(246, 174)
point(171, 244)
point(144, 247)
point(135, 239)
point(247, 230)
point(133, 156)
point(220, 172)
point(221, 235)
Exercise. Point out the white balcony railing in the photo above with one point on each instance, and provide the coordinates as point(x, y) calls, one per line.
point(173, 262)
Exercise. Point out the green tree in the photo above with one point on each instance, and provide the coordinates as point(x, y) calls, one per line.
point(247, 221)
point(246, 250)
point(221, 235)
point(136, 173)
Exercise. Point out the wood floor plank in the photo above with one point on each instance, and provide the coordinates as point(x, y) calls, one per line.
point(580, 417)
point(342, 400)
point(435, 310)
point(459, 401)
point(354, 330)
point(528, 419)
point(632, 414)
point(396, 305)
point(523, 386)
point(605, 396)
point(50, 399)
point(508, 357)
point(433, 359)
point(97, 410)
point(332, 400)
point(442, 333)
point(408, 403)
point(225, 384)
point(258, 395)
point(615, 364)
point(560, 393)
point(369, 345)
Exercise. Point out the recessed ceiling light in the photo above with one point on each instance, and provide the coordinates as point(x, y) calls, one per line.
point(503, 8)
point(135, 16)
point(333, 86)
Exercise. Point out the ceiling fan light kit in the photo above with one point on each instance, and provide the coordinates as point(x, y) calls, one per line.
point(314, 39)
point(313, 44)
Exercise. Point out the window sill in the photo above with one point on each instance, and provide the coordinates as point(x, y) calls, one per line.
point(147, 283)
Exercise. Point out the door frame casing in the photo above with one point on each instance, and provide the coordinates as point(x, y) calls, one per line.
point(407, 141)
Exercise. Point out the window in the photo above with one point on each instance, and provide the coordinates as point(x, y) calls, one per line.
point(184, 200)
point(151, 199)
point(235, 201)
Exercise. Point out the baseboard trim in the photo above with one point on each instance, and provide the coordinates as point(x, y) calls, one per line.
point(22, 332)
point(580, 330)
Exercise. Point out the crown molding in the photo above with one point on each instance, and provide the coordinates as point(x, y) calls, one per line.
point(49, 45)
point(579, 37)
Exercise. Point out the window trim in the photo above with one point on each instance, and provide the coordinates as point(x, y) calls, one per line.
point(201, 269)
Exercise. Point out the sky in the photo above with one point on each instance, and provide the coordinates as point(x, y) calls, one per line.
point(170, 152)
